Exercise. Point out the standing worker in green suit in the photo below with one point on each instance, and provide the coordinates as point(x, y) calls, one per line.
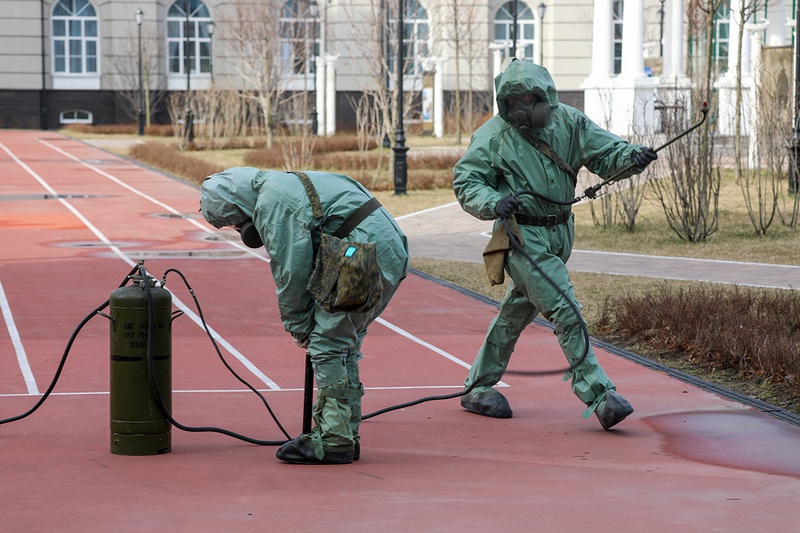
point(536, 143)
point(293, 215)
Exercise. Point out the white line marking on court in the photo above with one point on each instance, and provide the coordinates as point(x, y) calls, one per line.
point(22, 358)
point(415, 213)
point(427, 345)
point(192, 315)
point(195, 318)
point(134, 190)
point(238, 391)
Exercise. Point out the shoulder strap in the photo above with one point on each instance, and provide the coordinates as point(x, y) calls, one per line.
point(351, 222)
point(313, 197)
point(549, 152)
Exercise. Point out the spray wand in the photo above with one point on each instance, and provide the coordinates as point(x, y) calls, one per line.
point(592, 191)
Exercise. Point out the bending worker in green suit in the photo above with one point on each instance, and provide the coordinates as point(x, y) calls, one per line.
point(536, 143)
point(291, 214)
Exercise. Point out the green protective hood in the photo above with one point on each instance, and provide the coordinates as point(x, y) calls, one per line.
point(523, 77)
point(228, 197)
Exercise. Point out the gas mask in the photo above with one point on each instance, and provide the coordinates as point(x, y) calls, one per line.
point(528, 111)
point(249, 234)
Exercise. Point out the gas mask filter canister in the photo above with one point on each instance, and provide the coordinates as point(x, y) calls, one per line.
point(250, 236)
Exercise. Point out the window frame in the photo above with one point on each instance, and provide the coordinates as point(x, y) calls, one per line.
point(200, 43)
point(416, 39)
point(617, 25)
point(79, 17)
point(302, 14)
point(526, 20)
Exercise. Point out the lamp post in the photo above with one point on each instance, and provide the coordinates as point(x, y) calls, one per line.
point(140, 114)
point(794, 173)
point(210, 27)
point(661, 31)
point(400, 148)
point(514, 29)
point(188, 119)
point(542, 9)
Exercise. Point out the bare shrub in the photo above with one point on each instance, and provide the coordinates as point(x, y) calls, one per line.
point(689, 194)
point(347, 142)
point(752, 331)
point(167, 157)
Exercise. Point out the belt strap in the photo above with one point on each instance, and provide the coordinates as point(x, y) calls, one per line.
point(547, 220)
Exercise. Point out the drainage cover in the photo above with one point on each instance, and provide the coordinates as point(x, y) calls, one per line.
point(15, 197)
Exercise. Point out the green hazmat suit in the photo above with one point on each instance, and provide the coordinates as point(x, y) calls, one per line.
point(500, 161)
point(278, 205)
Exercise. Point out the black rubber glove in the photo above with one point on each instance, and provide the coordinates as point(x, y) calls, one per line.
point(507, 205)
point(644, 158)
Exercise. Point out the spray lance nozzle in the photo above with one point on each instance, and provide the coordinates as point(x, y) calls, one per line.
point(592, 191)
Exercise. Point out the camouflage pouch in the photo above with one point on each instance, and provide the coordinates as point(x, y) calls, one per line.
point(346, 276)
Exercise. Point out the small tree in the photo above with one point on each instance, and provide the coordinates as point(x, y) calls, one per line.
point(126, 65)
point(689, 194)
point(776, 139)
point(254, 34)
point(460, 30)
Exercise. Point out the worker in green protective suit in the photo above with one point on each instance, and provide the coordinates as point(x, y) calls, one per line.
point(536, 143)
point(276, 208)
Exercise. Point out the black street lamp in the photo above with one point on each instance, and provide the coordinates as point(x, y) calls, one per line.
point(661, 31)
point(542, 9)
point(514, 29)
point(188, 119)
point(400, 148)
point(794, 173)
point(140, 114)
point(210, 27)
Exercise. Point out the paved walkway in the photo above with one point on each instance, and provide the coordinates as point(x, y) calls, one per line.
point(448, 233)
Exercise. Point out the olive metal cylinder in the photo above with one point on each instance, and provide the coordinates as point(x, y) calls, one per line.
point(138, 425)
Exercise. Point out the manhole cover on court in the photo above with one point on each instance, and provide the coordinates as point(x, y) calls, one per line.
point(94, 244)
point(174, 215)
point(17, 197)
point(195, 254)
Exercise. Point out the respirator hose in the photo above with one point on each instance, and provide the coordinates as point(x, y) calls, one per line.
point(516, 245)
point(157, 391)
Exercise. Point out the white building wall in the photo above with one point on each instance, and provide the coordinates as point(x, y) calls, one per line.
point(20, 45)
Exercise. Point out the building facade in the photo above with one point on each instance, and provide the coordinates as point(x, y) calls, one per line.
point(67, 61)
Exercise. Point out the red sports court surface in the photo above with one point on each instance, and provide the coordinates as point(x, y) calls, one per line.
point(73, 221)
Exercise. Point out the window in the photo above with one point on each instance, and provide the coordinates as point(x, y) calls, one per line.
point(526, 30)
point(722, 36)
point(188, 40)
point(299, 31)
point(74, 37)
point(416, 31)
point(75, 116)
point(616, 38)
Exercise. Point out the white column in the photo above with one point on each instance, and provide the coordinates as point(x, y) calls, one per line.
point(602, 57)
point(753, 113)
point(633, 39)
point(675, 66)
point(330, 94)
point(497, 61)
point(733, 46)
point(319, 89)
point(438, 98)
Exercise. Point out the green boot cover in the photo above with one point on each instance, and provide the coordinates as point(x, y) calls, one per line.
point(332, 416)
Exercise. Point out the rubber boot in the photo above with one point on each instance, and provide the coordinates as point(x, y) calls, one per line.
point(487, 403)
point(612, 410)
